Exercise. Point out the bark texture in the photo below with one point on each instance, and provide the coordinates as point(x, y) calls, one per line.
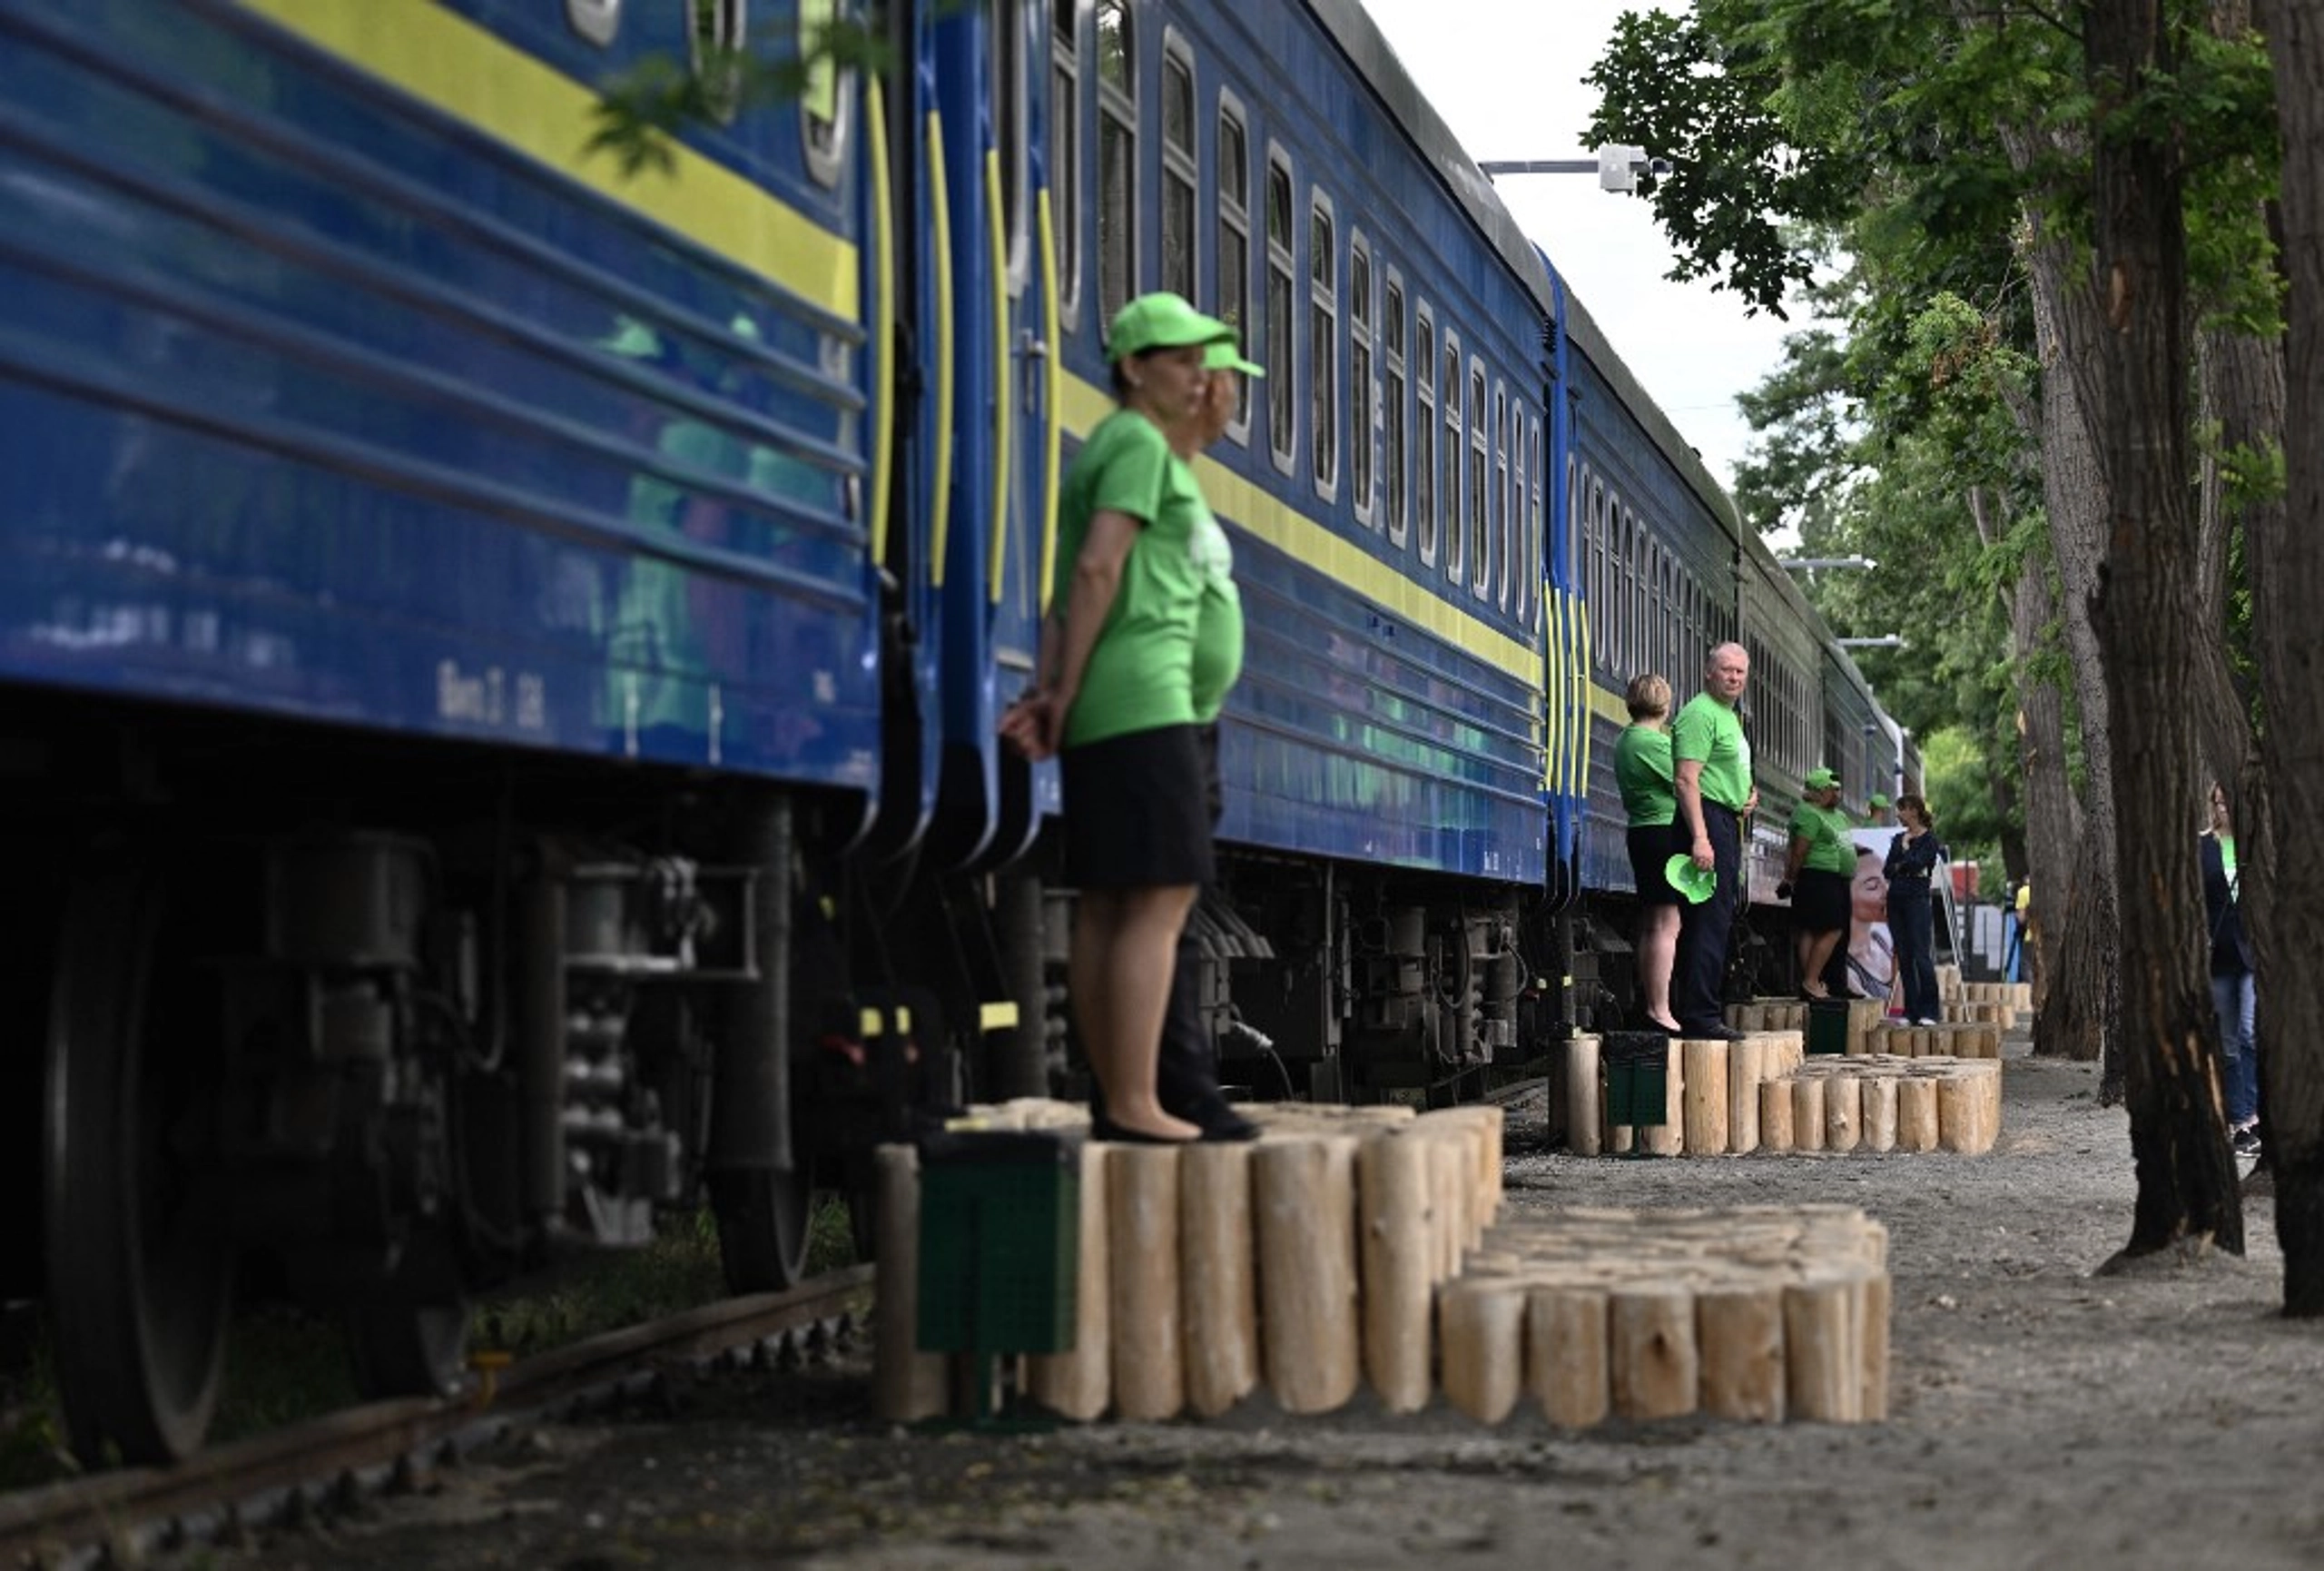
point(2130, 319)
point(2287, 590)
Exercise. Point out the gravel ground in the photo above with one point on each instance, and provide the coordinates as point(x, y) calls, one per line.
point(2040, 1415)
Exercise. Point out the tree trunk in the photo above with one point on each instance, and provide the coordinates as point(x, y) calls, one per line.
point(2053, 816)
point(2288, 588)
point(2075, 491)
point(2083, 988)
point(2131, 378)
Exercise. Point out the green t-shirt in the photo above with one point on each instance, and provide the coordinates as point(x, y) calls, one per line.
point(1826, 830)
point(1708, 732)
point(1141, 671)
point(1642, 769)
point(1219, 624)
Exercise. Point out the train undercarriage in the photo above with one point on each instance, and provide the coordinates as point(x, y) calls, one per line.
point(394, 1041)
point(394, 1034)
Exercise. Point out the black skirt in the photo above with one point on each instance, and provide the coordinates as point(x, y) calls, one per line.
point(1820, 900)
point(1652, 847)
point(1136, 811)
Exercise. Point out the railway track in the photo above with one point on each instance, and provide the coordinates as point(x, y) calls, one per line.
point(122, 1517)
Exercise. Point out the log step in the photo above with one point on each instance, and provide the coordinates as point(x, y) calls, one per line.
point(1765, 1093)
point(1344, 1250)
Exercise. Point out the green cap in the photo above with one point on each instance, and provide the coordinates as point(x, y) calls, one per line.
point(1161, 320)
point(1697, 883)
point(1878, 800)
point(1224, 356)
point(1824, 780)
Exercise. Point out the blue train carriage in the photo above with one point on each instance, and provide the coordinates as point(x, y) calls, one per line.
point(455, 606)
point(1386, 488)
point(1659, 556)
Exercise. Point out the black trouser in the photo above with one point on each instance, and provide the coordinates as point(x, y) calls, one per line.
point(1700, 973)
point(1186, 1075)
point(1912, 930)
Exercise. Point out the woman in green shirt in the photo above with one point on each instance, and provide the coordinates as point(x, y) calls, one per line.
point(1642, 770)
point(1123, 656)
point(1820, 861)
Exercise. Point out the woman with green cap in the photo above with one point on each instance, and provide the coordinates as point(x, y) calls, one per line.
point(1818, 863)
point(1116, 699)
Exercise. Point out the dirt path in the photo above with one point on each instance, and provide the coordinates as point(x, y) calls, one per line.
point(2041, 1417)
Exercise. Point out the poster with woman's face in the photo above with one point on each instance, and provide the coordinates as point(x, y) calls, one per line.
point(1872, 953)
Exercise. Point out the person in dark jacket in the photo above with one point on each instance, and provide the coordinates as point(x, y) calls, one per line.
point(1914, 857)
point(2234, 997)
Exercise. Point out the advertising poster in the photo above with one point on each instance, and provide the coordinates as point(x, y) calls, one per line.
point(1871, 957)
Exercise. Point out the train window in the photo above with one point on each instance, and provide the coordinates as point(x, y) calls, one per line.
point(596, 21)
point(1666, 610)
point(1634, 641)
point(1359, 376)
point(1064, 152)
point(1535, 564)
point(1615, 547)
point(1179, 177)
point(1235, 243)
point(1575, 545)
point(1448, 466)
point(1424, 430)
point(1658, 652)
point(1283, 381)
point(1602, 584)
point(1009, 91)
point(1504, 521)
point(1480, 483)
point(1391, 357)
point(715, 31)
point(1618, 553)
point(1116, 158)
point(1323, 347)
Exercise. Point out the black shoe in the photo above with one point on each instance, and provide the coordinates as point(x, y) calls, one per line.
point(1106, 1129)
point(1217, 1120)
point(1710, 1033)
point(1226, 1127)
point(2246, 1141)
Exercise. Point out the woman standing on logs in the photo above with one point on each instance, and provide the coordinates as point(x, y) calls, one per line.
point(1817, 865)
point(1115, 698)
point(1642, 770)
point(1914, 857)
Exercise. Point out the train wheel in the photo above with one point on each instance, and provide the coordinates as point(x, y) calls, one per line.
point(140, 1268)
point(761, 1226)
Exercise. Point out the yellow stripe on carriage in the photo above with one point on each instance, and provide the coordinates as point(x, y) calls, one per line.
point(1305, 539)
point(451, 63)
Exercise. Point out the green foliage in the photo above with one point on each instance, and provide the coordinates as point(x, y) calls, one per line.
point(1923, 139)
point(1957, 773)
point(641, 110)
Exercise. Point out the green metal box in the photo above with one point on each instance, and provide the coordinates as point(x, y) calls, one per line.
point(999, 1241)
point(1827, 1025)
point(1637, 1066)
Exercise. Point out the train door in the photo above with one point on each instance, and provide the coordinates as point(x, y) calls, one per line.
point(907, 295)
point(989, 66)
point(1565, 623)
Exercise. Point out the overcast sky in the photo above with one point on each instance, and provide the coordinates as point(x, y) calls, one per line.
point(1506, 75)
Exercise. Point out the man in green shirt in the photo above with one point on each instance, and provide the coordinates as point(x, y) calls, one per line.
point(1711, 772)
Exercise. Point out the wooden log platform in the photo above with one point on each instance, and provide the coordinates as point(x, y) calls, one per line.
point(1951, 1104)
point(1953, 1038)
point(1765, 1093)
point(1354, 1249)
point(1752, 1313)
